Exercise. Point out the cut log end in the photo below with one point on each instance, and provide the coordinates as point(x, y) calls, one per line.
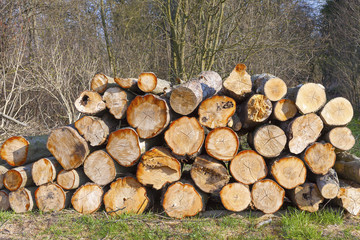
point(284, 110)
point(15, 150)
point(328, 184)
point(341, 138)
point(337, 112)
point(90, 102)
point(259, 108)
point(22, 200)
point(267, 196)
point(320, 157)
point(183, 100)
point(289, 172)
point(349, 197)
point(116, 101)
point(93, 129)
point(268, 140)
point(310, 98)
point(100, 168)
point(99, 83)
point(13, 180)
point(222, 144)
point(307, 197)
point(87, 198)
point(275, 89)
point(44, 171)
point(71, 179)
point(238, 84)
point(147, 82)
point(50, 197)
point(235, 197)
point(126, 83)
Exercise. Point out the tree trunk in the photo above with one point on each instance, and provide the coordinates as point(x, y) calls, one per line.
point(248, 167)
point(117, 101)
point(289, 172)
point(209, 174)
point(18, 150)
point(157, 168)
point(337, 112)
point(222, 144)
point(347, 166)
point(320, 157)
point(349, 197)
point(71, 179)
point(284, 110)
point(235, 196)
point(328, 184)
point(238, 85)
point(149, 115)
point(272, 87)
point(18, 177)
point(216, 111)
point(3, 170)
point(267, 196)
point(87, 198)
point(268, 140)
point(51, 197)
point(4, 200)
point(90, 102)
point(341, 138)
point(306, 197)
point(45, 170)
point(22, 200)
point(126, 195)
point(257, 109)
point(68, 147)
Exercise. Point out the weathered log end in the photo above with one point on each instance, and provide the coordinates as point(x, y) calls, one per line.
point(22, 200)
point(99, 83)
point(320, 157)
point(267, 196)
point(337, 112)
point(310, 98)
point(235, 197)
point(307, 197)
point(45, 170)
point(117, 101)
point(87, 198)
point(90, 102)
point(238, 84)
point(349, 197)
point(341, 138)
point(222, 143)
point(71, 179)
point(51, 197)
point(328, 184)
point(284, 110)
point(4, 200)
point(289, 172)
point(147, 82)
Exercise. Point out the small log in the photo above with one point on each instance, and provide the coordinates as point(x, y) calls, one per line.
point(126, 195)
point(268, 140)
point(4, 200)
point(328, 184)
point(235, 122)
point(238, 85)
point(149, 115)
point(303, 131)
point(129, 84)
point(68, 147)
point(209, 174)
point(71, 179)
point(222, 143)
point(267, 196)
point(18, 150)
point(320, 157)
point(162, 87)
point(337, 112)
point(247, 167)
point(216, 111)
point(289, 172)
point(307, 197)
point(117, 101)
point(3, 170)
point(349, 197)
point(99, 82)
point(185, 137)
point(51, 197)
point(87, 198)
point(90, 102)
point(257, 109)
point(157, 168)
point(18, 177)
point(347, 166)
point(284, 109)
point(186, 98)
point(22, 200)
point(147, 82)
point(45, 170)
point(272, 87)
point(235, 196)
point(341, 138)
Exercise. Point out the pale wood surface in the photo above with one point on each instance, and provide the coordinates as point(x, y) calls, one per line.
point(87, 198)
point(222, 143)
point(235, 196)
point(267, 196)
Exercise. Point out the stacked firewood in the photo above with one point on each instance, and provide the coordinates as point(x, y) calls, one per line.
point(142, 142)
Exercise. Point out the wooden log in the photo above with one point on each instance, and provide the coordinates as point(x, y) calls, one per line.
point(158, 167)
point(45, 170)
point(248, 167)
point(337, 112)
point(328, 184)
point(22, 200)
point(235, 196)
point(18, 150)
point(147, 82)
point(222, 143)
point(87, 198)
point(216, 111)
point(162, 87)
point(18, 177)
point(4, 200)
point(149, 115)
point(272, 87)
point(238, 85)
point(71, 179)
point(257, 109)
point(306, 197)
point(209, 174)
point(68, 147)
point(185, 98)
point(346, 157)
point(99, 83)
point(320, 157)
point(349, 197)
point(117, 101)
point(341, 138)
point(289, 172)
point(235, 122)
point(309, 97)
point(51, 197)
point(284, 109)
point(129, 84)
point(90, 102)
point(268, 140)
point(303, 131)
point(185, 137)
point(126, 195)
point(267, 196)
point(347, 166)
point(3, 170)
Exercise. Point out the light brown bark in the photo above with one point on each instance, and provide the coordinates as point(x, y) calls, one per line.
point(306, 197)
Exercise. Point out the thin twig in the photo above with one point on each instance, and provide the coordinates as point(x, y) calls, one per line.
point(13, 119)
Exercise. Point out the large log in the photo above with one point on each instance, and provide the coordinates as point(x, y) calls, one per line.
point(185, 98)
point(71, 179)
point(235, 196)
point(341, 138)
point(238, 85)
point(328, 184)
point(320, 157)
point(90, 102)
point(22, 200)
point(347, 166)
point(3, 170)
point(306, 197)
point(117, 101)
point(51, 197)
point(337, 112)
point(257, 109)
point(349, 197)
point(87, 198)
point(149, 115)
point(272, 87)
point(18, 177)
point(4, 200)
point(248, 167)
point(126, 195)
point(216, 111)
point(158, 167)
point(284, 109)
point(68, 147)
point(267, 196)
point(222, 143)
point(45, 170)
point(18, 150)
point(209, 174)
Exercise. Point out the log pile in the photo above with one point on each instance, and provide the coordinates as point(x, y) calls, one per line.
point(141, 142)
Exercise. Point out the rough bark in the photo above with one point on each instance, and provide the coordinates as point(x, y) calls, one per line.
point(328, 184)
point(284, 109)
point(4, 200)
point(235, 122)
point(18, 177)
point(51, 197)
point(267, 196)
point(222, 143)
point(238, 85)
point(45, 170)
point(90, 102)
point(272, 87)
point(3, 170)
point(87, 198)
point(347, 166)
point(337, 112)
point(349, 197)
point(289, 172)
point(257, 109)
point(235, 196)
point(320, 157)
point(306, 197)
point(22, 200)
point(117, 101)
point(71, 179)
